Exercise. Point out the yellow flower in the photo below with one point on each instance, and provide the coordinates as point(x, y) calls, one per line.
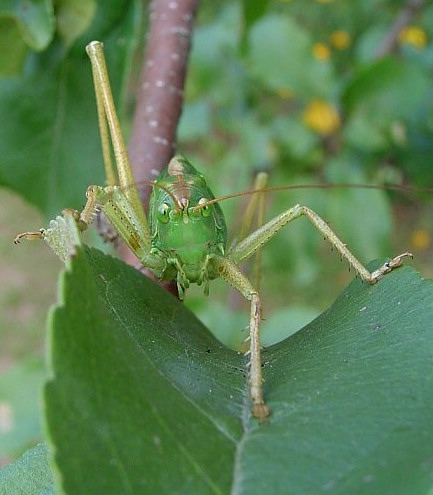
point(322, 117)
point(321, 52)
point(414, 36)
point(420, 239)
point(340, 39)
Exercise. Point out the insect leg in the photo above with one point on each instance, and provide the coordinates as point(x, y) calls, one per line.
point(107, 114)
point(29, 236)
point(229, 272)
point(41, 234)
point(248, 246)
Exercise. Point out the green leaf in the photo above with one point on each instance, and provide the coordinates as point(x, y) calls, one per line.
point(13, 49)
point(213, 57)
point(140, 389)
point(34, 19)
point(252, 11)
point(23, 25)
point(73, 18)
point(49, 132)
point(390, 86)
point(124, 389)
point(19, 404)
point(379, 95)
point(29, 475)
point(281, 57)
point(362, 217)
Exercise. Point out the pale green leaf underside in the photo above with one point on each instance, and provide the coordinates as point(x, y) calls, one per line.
point(29, 475)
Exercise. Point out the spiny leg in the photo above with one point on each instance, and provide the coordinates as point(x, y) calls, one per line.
point(229, 272)
point(29, 236)
point(41, 233)
point(107, 115)
point(120, 203)
point(248, 246)
point(62, 234)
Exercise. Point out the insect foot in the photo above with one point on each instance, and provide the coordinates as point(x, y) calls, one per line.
point(388, 267)
point(29, 236)
point(62, 235)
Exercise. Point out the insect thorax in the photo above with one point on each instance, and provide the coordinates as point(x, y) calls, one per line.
point(185, 234)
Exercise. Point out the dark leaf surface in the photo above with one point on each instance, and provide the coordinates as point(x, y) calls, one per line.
point(141, 389)
point(51, 149)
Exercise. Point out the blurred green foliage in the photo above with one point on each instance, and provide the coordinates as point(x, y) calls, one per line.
point(299, 91)
point(291, 87)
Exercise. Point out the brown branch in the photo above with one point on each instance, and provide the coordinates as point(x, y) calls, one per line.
point(406, 15)
point(160, 94)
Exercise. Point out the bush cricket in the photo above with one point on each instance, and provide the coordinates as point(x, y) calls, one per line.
point(184, 238)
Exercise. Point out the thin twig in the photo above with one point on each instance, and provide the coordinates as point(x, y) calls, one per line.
point(160, 95)
point(406, 15)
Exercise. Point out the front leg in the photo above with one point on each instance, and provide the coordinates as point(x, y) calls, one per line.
point(248, 246)
point(228, 271)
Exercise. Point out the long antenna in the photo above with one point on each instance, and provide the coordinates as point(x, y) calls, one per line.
point(318, 186)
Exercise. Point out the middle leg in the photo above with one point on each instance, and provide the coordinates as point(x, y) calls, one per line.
point(229, 272)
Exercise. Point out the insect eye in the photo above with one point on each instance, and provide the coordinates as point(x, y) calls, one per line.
point(163, 213)
point(205, 210)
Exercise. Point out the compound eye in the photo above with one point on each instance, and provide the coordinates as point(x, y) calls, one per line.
point(163, 213)
point(205, 210)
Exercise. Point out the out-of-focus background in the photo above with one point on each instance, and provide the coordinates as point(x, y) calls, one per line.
point(321, 91)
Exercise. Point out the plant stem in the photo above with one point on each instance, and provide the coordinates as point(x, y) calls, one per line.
point(160, 93)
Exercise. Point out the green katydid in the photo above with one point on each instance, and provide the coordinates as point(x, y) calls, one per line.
point(185, 237)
